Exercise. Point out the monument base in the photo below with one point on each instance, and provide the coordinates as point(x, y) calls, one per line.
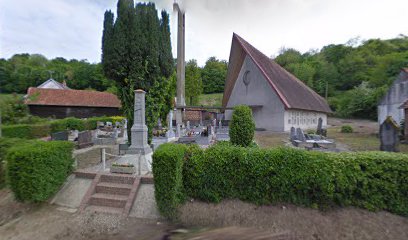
point(139, 150)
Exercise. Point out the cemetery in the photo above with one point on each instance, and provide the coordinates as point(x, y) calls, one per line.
point(144, 160)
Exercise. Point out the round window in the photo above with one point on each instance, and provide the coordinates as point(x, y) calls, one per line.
point(247, 78)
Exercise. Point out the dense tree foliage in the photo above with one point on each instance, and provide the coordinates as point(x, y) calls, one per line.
point(194, 83)
point(136, 54)
point(214, 74)
point(22, 71)
point(355, 75)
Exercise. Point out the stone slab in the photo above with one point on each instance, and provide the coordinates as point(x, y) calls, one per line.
point(72, 192)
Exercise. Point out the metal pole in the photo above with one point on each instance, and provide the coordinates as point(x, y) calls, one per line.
point(103, 158)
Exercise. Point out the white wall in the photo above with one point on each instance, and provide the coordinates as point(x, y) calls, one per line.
point(303, 119)
point(270, 115)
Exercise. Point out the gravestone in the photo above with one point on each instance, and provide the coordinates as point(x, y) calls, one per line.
point(293, 135)
point(121, 133)
point(300, 135)
point(215, 122)
point(85, 139)
point(389, 139)
point(59, 136)
point(139, 128)
point(109, 124)
point(117, 124)
point(319, 126)
point(170, 132)
point(188, 125)
point(220, 124)
point(100, 124)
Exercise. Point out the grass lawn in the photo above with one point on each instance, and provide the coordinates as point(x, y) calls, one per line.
point(213, 99)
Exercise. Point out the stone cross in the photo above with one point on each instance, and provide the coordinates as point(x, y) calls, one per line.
point(139, 128)
point(389, 131)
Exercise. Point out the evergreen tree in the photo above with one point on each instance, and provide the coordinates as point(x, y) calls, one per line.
point(136, 54)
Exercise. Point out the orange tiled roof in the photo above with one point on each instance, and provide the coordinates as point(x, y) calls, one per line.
point(69, 97)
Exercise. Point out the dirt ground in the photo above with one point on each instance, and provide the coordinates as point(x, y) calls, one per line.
point(301, 223)
point(20, 221)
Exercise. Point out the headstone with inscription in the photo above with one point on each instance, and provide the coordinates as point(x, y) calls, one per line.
point(319, 126)
point(85, 139)
point(300, 135)
point(293, 135)
point(170, 132)
point(59, 136)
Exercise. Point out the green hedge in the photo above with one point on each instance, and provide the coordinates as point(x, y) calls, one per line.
point(168, 172)
point(370, 180)
point(31, 131)
point(26, 131)
point(346, 129)
point(242, 127)
point(5, 144)
point(37, 169)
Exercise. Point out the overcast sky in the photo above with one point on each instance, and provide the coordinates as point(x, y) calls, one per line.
point(73, 28)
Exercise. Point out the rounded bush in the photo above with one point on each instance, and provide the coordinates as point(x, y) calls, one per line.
point(242, 127)
point(346, 129)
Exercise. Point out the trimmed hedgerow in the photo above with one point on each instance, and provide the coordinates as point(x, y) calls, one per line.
point(167, 167)
point(5, 144)
point(37, 169)
point(370, 180)
point(242, 126)
point(26, 131)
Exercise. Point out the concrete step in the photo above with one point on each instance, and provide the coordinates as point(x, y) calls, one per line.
point(113, 188)
point(118, 178)
point(112, 210)
point(108, 200)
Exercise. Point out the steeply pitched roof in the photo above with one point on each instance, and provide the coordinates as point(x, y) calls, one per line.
point(54, 84)
point(293, 93)
point(61, 97)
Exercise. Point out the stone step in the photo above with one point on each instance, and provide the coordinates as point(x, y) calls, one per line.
point(108, 200)
point(113, 188)
point(118, 178)
point(104, 209)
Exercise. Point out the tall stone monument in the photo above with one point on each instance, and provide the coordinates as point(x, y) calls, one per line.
point(139, 128)
point(181, 70)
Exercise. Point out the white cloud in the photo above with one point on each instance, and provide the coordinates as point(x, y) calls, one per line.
point(73, 28)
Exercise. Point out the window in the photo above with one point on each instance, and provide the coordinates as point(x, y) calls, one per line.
point(288, 121)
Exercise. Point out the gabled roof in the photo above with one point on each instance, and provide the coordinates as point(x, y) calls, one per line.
point(293, 93)
point(69, 97)
point(51, 83)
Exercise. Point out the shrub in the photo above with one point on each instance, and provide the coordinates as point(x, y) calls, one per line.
point(70, 123)
point(370, 180)
point(346, 129)
point(5, 144)
point(242, 126)
point(168, 172)
point(37, 169)
point(26, 131)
